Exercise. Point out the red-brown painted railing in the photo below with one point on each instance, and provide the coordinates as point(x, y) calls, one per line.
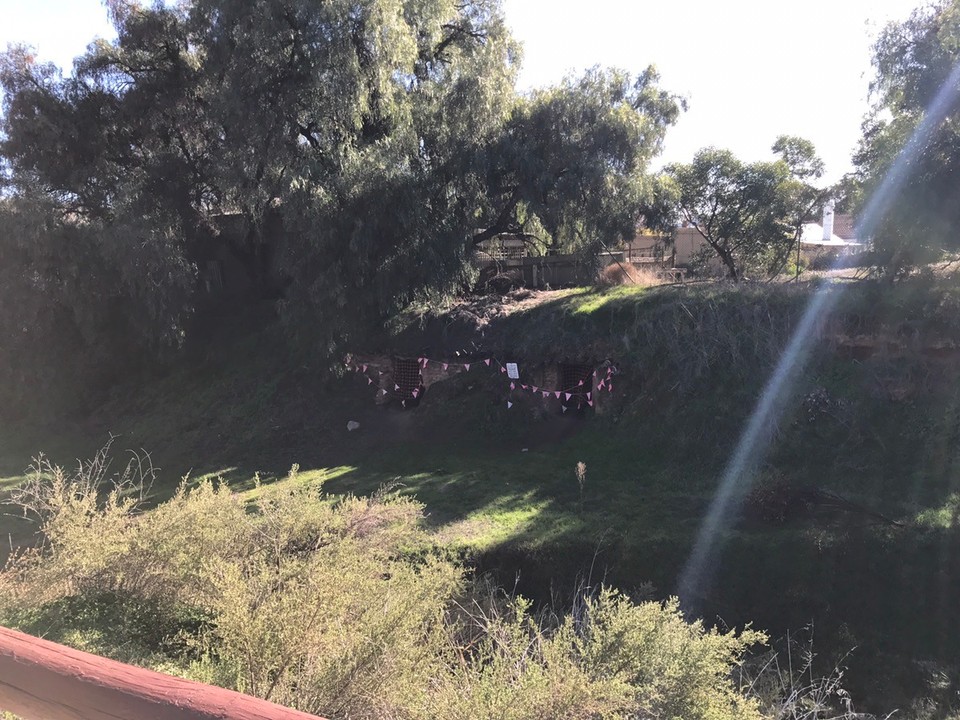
point(40, 680)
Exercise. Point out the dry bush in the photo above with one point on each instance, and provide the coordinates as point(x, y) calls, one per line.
point(628, 274)
point(343, 607)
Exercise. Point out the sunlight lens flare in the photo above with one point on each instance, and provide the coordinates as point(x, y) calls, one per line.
point(752, 444)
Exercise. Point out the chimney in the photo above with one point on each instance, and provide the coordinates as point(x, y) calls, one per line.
point(828, 220)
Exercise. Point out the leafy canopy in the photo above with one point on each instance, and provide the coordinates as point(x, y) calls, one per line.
point(359, 151)
point(750, 214)
point(913, 60)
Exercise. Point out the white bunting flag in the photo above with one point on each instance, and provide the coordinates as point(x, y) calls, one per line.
point(564, 408)
point(396, 387)
point(369, 381)
point(445, 366)
point(509, 404)
point(403, 402)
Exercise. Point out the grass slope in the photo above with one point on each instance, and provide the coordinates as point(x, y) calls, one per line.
point(875, 419)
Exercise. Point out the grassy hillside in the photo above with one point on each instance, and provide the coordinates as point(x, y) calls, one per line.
point(852, 525)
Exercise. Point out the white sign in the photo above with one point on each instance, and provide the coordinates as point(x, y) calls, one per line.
point(512, 372)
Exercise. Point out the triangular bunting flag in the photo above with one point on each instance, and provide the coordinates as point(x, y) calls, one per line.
point(503, 369)
point(403, 402)
point(535, 388)
point(600, 385)
point(590, 403)
point(568, 395)
point(546, 394)
point(609, 388)
point(396, 387)
point(364, 368)
point(369, 381)
point(416, 391)
point(525, 387)
point(466, 366)
point(557, 394)
point(487, 362)
point(580, 383)
point(588, 395)
point(565, 408)
point(445, 366)
point(513, 386)
point(509, 404)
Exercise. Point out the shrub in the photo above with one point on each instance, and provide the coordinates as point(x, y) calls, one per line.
point(340, 606)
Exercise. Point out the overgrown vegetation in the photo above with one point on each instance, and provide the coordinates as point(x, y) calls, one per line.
point(873, 422)
point(341, 606)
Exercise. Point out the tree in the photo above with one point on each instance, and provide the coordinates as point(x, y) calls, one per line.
point(387, 135)
point(799, 196)
point(914, 60)
point(746, 212)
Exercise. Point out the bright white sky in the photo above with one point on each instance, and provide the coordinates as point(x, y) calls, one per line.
point(750, 69)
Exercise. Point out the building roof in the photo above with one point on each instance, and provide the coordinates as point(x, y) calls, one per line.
point(813, 235)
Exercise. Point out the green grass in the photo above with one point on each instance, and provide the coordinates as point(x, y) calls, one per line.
point(694, 360)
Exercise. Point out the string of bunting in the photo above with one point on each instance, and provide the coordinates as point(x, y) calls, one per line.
point(576, 391)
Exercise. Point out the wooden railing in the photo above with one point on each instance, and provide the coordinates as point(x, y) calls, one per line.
point(40, 680)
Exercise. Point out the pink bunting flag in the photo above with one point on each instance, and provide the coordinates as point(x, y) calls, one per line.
point(568, 395)
point(588, 395)
point(364, 368)
point(426, 361)
point(369, 381)
point(509, 404)
point(557, 394)
point(503, 370)
point(590, 403)
point(445, 366)
point(580, 383)
point(525, 387)
point(466, 366)
point(487, 362)
point(396, 387)
point(416, 392)
point(546, 394)
point(609, 388)
point(600, 385)
point(513, 386)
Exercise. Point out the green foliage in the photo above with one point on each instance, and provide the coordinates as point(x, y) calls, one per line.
point(913, 60)
point(750, 214)
point(360, 150)
point(341, 607)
